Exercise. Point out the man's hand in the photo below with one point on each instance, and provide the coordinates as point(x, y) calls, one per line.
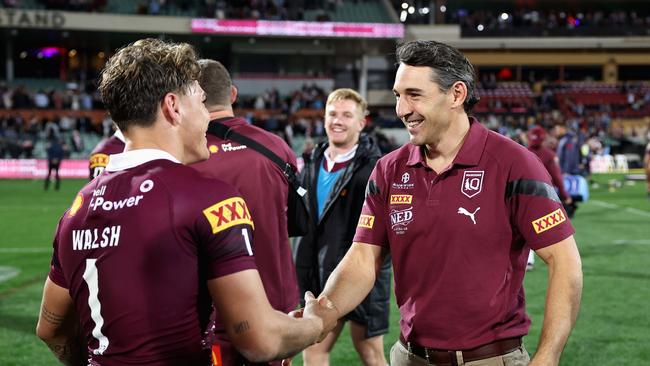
point(323, 309)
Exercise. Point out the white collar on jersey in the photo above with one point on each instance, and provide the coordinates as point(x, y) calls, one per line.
point(339, 158)
point(133, 158)
point(119, 135)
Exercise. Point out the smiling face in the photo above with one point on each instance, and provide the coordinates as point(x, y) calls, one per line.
point(344, 121)
point(195, 119)
point(421, 105)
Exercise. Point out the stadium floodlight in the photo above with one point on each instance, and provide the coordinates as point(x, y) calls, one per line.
point(402, 16)
point(504, 16)
point(405, 6)
point(443, 8)
point(411, 9)
point(424, 11)
point(480, 27)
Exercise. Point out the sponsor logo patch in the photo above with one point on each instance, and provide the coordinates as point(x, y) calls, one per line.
point(401, 199)
point(76, 205)
point(229, 147)
point(401, 217)
point(472, 183)
point(98, 160)
point(228, 213)
point(213, 149)
point(549, 221)
point(366, 221)
point(404, 182)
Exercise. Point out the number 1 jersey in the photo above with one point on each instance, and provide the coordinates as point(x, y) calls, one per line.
point(135, 251)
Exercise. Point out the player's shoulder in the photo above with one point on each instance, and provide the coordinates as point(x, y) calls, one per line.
point(184, 181)
point(111, 145)
point(266, 138)
point(507, 151)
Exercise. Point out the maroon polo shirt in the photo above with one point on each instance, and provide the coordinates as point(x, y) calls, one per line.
point(459, 240)
point(135, 251)
point(99, 156)
point(265, 189)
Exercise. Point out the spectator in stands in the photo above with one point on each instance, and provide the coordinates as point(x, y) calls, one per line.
point(20, 99)
point(41, 100)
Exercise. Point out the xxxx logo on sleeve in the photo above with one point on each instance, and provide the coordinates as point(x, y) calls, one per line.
point(549, 221)
point(228, 213)
point(400, 199)
point(366, 221)
point(98, 160)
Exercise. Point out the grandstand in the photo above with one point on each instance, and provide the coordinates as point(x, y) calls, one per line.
point(59, 48)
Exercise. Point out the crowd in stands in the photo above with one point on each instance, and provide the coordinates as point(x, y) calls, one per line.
point(507, 107)
point(552, 19)
point(219, 9)
point(72, 98)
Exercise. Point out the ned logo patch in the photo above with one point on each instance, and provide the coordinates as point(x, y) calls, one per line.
point(549, 221)
point(472, 182)
point(228, 213)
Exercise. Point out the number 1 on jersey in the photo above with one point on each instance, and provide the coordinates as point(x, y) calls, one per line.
point(92, 280)
point(244, 232)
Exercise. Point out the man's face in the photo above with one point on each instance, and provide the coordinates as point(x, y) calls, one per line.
point(421, 105)
point(195, 119)
point(343, 123)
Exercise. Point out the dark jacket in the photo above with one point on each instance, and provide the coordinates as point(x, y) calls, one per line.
point(330, 236)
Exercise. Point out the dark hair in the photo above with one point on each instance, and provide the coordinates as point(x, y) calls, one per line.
point(448, 64)
point(138, 76)
point(215, 81)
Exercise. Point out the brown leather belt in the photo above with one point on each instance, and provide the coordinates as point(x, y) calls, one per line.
point(448, 358)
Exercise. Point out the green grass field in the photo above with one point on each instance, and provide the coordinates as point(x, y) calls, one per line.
point(613, 233)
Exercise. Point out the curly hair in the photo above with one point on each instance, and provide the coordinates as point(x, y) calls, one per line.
point(138, 76)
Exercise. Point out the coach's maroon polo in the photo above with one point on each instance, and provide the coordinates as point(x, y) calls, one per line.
point(460, 239)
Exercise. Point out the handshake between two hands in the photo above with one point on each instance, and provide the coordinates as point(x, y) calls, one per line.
point(321, 309)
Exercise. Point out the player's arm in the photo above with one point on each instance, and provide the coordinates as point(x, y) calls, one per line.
point(259, 332)
point(58, 326)
point(352, 279)
point(562, 299)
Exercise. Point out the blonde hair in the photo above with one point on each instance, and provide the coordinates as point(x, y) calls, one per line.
point(348, 94)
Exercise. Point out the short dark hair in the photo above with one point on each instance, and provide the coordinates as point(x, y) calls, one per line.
point(448, 64)
point(215, 81)
point(138, 76)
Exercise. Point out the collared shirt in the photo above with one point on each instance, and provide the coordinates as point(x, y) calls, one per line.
point(460, 239)
point(136, 250)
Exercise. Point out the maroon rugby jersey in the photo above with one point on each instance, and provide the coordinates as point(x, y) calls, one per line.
point(459, 240)
point(135, 251)
point(99, 156)
point(265, 189)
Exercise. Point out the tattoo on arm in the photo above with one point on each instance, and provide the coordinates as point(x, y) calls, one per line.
point(51, 317)
point(242, 327)
point(61, 351)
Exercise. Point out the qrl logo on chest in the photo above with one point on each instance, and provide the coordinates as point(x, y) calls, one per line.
point(472, 183)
